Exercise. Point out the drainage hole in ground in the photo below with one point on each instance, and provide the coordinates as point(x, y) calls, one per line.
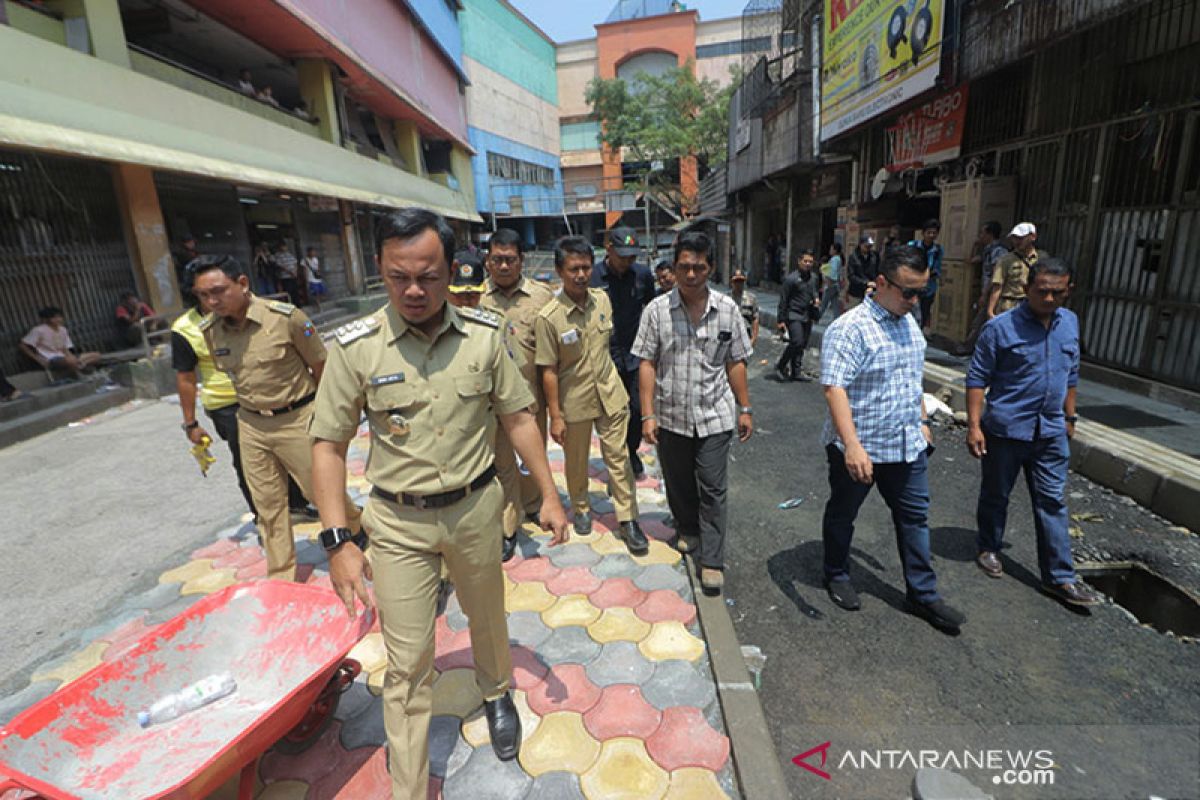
point(1151, 598)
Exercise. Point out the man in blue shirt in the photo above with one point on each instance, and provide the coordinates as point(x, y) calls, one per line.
point(1027, 360)
point(630, 287)
point(872, 362)
point(929, 246)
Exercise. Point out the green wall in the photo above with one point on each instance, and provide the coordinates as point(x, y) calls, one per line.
point(502, 41)
point(31, 22)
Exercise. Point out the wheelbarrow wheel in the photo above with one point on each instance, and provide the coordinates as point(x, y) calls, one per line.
point(320, 713)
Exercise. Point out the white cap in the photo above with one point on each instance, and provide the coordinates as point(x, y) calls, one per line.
point(1023, 229)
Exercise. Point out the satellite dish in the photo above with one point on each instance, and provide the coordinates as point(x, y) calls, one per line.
point(879, 183)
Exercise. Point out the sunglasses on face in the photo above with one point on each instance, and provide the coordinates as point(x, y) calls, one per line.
point(907, 294)
point(503, 261)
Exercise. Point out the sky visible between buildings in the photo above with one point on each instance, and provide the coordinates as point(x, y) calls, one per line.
point(564, 22)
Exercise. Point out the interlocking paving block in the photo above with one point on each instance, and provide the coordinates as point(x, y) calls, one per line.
point(370, 652)
point(172, 609)
point(624, 771)
point(529, 597)
point(73, 665)
point(661, 576)
point(256, 571)
point(309, 766)
point(572, 609)
point(183, 574)
point(475, 729)
point(529, 668)
point(354, 701)
point(215, 550)
point(455, 693)
point(571, 644)
point(457, 653)
point(457, 620)
point(306, 530)
point(555, 786)
point(621, 711)
point(104, 630)
point(659, 554)
point(310, 552)
point(560, 743)
point(284, 790)
point(209, 582)
point(616, 592)
point(670, 640)
point(685, 739)
point(664, 605)
point(443, 738)
point(618, 565)
point(375, 682)
point(240, 558)
point(619, 662)
point(573, 580)
point(363, 773)
point(601, 504)
point(123, 638)
point(526, 628)
point(607, 544)
point(458, 757)
point(366, 728)
point(33, 693)
point(618, 624)
point(532, 569)
point(573, 555)
point(658, 530)
point(151, 599)
point(692, 783)
point(566, 687)
point(485, 777)
point(680, 683)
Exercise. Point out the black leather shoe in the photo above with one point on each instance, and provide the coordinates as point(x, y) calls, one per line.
point(843, 595)
point(784, 375)
point(583, 523)
point(939, 614)
point(989, 562)
point(508, 547)
point(1075, 594)
point(504, 726)
point(631, 534)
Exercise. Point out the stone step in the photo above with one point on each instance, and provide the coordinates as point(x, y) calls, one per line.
point(46, 396)
point(47, 419)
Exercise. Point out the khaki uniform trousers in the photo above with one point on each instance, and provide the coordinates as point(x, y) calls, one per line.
point(408, 548)
point(611, 431)
point(521, 493)
point(273, 448)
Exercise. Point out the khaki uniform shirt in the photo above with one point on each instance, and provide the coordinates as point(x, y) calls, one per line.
point(268, 357)
point(431, 401)
point(521, 308)
point(1012, 273)
point(575, 339)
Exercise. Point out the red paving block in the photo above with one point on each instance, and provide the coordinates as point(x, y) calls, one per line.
point(239, 557)
point(617, 592)
point(648, 482)
point(573, 580)
point(533, 569)
point(361, 775)
point(656, 530)
point(606, 522)
point(663, 605)
point(435, 788)
point(125, 637)
point(310, 766)
point(566, 687)
point(622, 711)
point(218, 548)
point(528, 670)
point(255, 571)
point(442, 636)
point(455, 653)
point(685, 739)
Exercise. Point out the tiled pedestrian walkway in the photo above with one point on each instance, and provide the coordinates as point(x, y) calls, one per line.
point(611, 673)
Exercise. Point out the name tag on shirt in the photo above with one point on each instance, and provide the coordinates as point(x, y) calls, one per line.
point(570, 337)
point(388, 380)
point(221, 351)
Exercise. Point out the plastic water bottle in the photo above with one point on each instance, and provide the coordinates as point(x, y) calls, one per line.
point(200, 693)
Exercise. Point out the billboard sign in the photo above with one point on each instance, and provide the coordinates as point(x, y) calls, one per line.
point(876, 54)
point(930, 133)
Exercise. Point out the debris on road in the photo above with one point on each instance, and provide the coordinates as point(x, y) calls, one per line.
point(755, 661)
point(1087, 516)
point(793, 502)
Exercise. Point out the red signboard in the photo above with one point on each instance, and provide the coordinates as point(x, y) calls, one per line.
point(930, 133)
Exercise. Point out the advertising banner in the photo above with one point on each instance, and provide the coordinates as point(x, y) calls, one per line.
point(876, 54)
point(930, 133)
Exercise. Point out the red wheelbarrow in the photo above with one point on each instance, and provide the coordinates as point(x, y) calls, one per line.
point(284, 643)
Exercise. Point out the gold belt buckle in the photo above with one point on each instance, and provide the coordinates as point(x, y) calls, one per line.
point(266, 412)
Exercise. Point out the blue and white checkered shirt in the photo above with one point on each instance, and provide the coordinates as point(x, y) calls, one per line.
point(879, 359)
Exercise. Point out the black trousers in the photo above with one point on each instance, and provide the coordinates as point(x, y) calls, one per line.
point(696, 470)
point(793, 355)
point(225, 423)
point(633, 436)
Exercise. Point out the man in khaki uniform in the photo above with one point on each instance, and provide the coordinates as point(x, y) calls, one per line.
point(519, 299)
point(275, 357)
point(432, 380)
point(583, 389)
point(1011, 273)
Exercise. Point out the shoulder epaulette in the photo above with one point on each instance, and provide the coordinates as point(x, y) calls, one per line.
point(489, 318)
point(282, 308)
point(207, 322)
point(356, 330)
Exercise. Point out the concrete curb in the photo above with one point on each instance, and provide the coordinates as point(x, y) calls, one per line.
point(755, 763)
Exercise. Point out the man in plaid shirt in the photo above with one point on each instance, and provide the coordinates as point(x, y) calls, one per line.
point(694, 347)
point(872, 360)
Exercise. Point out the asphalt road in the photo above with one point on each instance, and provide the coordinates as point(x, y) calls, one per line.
point(880, 678)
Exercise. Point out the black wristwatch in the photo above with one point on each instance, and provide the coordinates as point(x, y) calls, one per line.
point(1072, 418)
point(190, 426)
point(333, 538)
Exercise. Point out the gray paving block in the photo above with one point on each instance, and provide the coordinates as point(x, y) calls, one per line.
point(555, 786)
point(526, 628)
point(310, 552)
point(443, 738)
point(16, 703)
point(661, 576)
point(573, 555)
point(679, 683)
point(601, 504)
point(457, 620)
point(619, 662)
point(173, 609)
point(616, 565)
point(151, 599)
point(114, 621)
point(485, 777)
point(355, 701)
point(365, 729)
point(569, 644)
point(459, 755)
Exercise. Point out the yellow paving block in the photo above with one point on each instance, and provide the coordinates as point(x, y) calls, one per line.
point(670, 640)
point(607, 544)
point(455, 693)
point(694, 783)
point(192, 569)
point(74, 666)
point(475, 729)
point(370, 652)
point(306, 530)
point(528, 596)
point(618, 624)
point(212, 581)
point(659, 554)
point(624, 771)
point(560, 743)
point(571, 609)
point(375, 682)
point(285, 790)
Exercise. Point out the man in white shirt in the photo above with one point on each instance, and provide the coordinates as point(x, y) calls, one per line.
point(50, 345)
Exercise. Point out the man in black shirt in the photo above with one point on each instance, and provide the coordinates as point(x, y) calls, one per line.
point(861, 269)
point(799, 299)
point(630, 287)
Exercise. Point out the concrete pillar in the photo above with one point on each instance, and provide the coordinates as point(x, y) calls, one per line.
point(355, 269)
point(460, 165)
point(103, 20)
point(408, 139)
point(146, 233)
point(317, 89)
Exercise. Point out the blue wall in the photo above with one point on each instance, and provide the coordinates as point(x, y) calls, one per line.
point(442, 25)
point(538, 199)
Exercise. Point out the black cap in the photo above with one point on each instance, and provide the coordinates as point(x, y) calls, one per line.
point(468, 273)
point(624, 241)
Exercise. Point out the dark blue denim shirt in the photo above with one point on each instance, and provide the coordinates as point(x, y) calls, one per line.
point(1027, 369)
point(629, 294)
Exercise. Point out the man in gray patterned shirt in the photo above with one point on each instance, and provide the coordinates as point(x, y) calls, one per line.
point(694, 348)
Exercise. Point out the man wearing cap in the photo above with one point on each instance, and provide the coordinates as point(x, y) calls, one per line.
point(861, 269)
point(1011, 274)
point(799, 301)
point(747, 303)
point(468, 283)
point(630, 288)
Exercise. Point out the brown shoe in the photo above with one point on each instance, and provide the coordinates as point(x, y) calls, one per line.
point(1075, 594)
point(989, 562)
point(711, 580)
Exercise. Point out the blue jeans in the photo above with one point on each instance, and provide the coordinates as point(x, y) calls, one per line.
point(1045, 462)
point(905, 489)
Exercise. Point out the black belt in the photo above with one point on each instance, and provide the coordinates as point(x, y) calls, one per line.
point(441, 500)
point(274, 412)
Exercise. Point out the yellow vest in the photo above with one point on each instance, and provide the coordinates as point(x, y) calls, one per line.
point(216, 390)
